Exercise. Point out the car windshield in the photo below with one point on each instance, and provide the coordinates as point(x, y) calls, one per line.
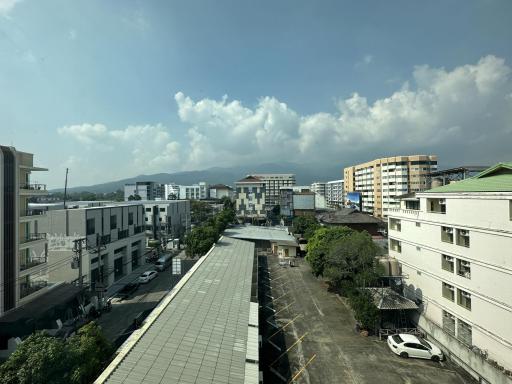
point(397, 339)
point(424, 343)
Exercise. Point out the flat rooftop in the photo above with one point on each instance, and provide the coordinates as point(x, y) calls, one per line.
point(254, 232)
point(204, 331)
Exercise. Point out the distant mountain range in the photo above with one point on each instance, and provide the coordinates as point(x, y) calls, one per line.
point(305, 174)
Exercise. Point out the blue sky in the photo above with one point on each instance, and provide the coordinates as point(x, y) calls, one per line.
point(114, 89)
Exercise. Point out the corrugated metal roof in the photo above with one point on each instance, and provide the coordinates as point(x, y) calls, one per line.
point(254, 232)
point(387, 299)
point(201, 333)
point(494, 179)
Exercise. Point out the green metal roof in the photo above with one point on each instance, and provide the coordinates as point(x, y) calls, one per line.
point(497, 178)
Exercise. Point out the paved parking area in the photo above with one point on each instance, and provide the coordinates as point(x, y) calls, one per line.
point(318, 330)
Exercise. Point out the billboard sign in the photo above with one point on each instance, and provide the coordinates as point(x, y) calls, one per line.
point(353, 200)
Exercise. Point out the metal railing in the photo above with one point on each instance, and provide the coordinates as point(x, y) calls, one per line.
point(393, 331)
point(33, 187)
point(123, 234)
point(33, 237)
point(31, 212)
point(32, 262)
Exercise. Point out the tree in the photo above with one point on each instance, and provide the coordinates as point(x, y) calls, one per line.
point(365, 311)
point(199, 211)
point(90, 350)
point(352, 258)
point(305, 225)
point(320, 244)
point(227, 202)
point(42, 359)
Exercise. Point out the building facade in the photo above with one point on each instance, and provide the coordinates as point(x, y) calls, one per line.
point(454, 247)
point(250, 198)
point(114, 246)
point(170, 218)
point(319, 188)
point(219, 191)
point(23, 247)
point(146, 190)
point(334, 193)
point(380, 181)
point(273, 182)
point(171, 191)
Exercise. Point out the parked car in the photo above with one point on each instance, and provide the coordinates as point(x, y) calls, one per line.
point(127, 290)
point(405, 345)
point(147, 276)
point(163, 262)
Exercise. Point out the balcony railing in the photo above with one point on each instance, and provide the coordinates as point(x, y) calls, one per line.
point(32, 237)
point(34, 187)
point(28, 289)
point(31, 212)
point(32, 262)
point(123, 234)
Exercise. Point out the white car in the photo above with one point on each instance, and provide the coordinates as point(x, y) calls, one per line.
point(405, 345)
point(147, 276)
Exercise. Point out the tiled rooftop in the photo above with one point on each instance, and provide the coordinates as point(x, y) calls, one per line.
point(201, 334)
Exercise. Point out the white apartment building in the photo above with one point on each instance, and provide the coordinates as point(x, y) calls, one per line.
point(117, 231)
point(334, 193)
point(319, 188)
point(198, 191)
point(454, 244)
point(273, 182)
point(146, 190)
point(23, 246)
point(171, 191)
point(380, 181)
point(218, 191)
point(168, 217)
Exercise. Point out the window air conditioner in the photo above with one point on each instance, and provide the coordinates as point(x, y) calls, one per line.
point(448, 230)
point(463, 232)
point(466, 295)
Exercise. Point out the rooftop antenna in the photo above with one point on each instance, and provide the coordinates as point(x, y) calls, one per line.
point(66, 188)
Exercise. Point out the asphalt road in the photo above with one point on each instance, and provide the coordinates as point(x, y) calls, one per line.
point(123, 312)
point(323, 347)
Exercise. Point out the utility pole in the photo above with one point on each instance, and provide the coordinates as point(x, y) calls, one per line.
point(66, 188)
point(77, 249)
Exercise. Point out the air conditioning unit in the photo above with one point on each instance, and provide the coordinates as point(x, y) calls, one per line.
point(466, 295)
point(463, 232)
point(448, 230)
point(448, 258)
point(442, 202)
point(465, 263)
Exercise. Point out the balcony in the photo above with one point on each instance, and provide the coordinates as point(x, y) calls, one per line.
point(32, 237)
point(27, 214)
point(30, 260)
point(33, 189)
point(436, 206)
point(123, 234)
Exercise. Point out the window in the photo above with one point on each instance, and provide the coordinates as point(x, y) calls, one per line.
point(418, 224)
point(90, 227)
point(510, 209)
point(395, 224)
point(464, 299)
point(449, 323)
point(413, 205)
point(148, 209)
point(464, 268)
point(448, 292)
point(447, 263)
point(145, 219)
point(395, 245)
point(447, 234)
point(464, 332)
point(162, 209)
point(436, 205)
point(113, 222)
point(463, 238)
point(130, 218)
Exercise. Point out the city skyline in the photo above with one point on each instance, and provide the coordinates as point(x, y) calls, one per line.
point(148, 88)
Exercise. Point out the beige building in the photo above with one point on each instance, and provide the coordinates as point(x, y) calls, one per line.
point(380, 181)
point(23, 248)
point(250, 198)
point(454, 244)
point(273, 183)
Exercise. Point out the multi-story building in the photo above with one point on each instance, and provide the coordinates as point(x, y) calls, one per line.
point(168, 217)
point(380, 181)
point(194, 192)
point(23, 247)
point(146, 190)
point(319, 188)
point(218, 191)
point(273, 183)
point(334, 193)
point(171, 191)
point(116, 231)
point(454, 245)
point(250, 198)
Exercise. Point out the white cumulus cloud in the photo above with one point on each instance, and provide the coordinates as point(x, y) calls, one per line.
point(7, 5)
